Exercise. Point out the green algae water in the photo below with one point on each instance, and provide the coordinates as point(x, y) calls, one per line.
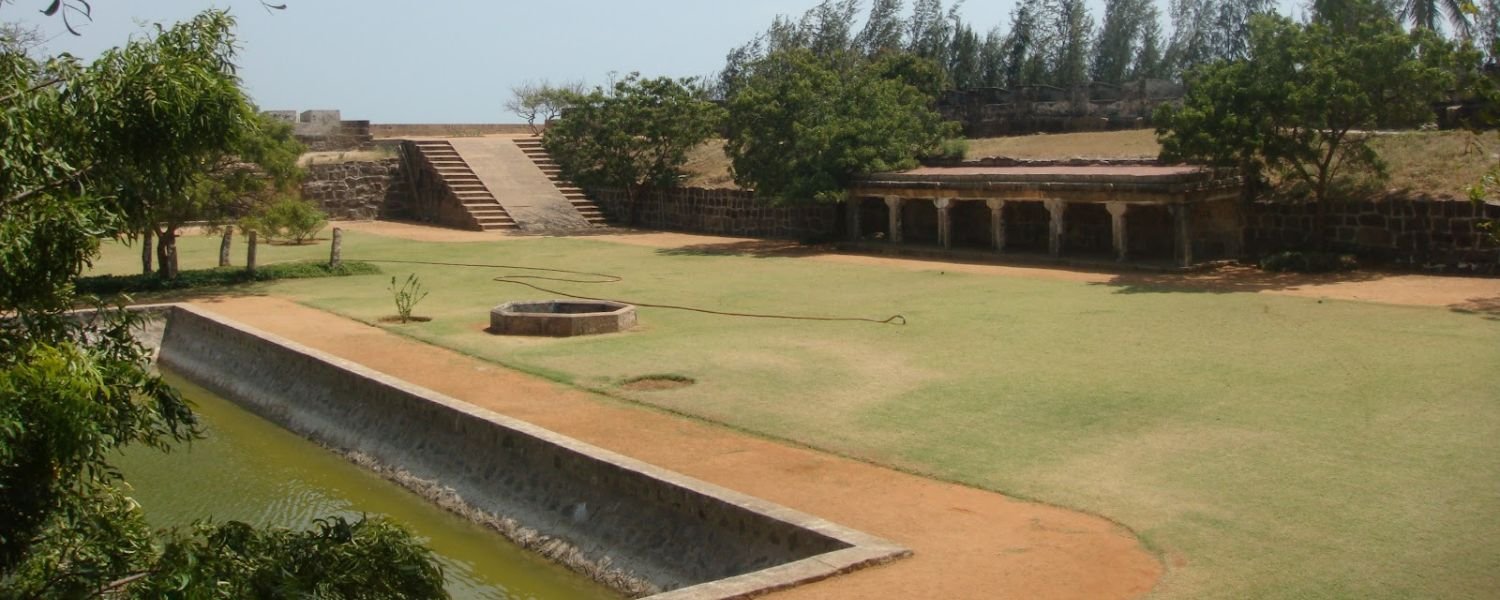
point(249, 469)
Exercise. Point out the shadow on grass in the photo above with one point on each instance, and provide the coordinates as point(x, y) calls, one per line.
point(1488, 308)
point(1231, 279)
point(750, 248)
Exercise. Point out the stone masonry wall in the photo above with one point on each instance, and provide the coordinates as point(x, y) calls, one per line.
point(358, 190)
point(720, 212)
point(1418, 231)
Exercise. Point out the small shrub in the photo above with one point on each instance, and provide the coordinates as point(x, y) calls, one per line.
point(291, 219)
point(407, 296)
point(1308, 262)
point(951, 149)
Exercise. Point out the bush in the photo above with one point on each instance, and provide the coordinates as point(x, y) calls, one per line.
point(110, 285)
point(291, 219)
point(951, 149)
point(1308, 262)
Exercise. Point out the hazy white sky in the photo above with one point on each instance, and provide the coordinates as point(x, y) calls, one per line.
point(454, 61)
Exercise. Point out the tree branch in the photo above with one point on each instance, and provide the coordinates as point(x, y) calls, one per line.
point(77, 175)
point(39, 86)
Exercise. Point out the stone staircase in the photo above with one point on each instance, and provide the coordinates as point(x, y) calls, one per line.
point(538, 154)
point(484, 212)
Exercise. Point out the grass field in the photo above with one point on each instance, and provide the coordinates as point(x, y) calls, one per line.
point(1264, 446)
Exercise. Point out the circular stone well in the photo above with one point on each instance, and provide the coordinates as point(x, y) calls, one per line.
point(561, 318)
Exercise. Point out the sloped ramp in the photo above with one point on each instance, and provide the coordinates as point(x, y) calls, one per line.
point(526, 193)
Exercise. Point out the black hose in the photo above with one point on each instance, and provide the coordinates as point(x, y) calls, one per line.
point(607, 278)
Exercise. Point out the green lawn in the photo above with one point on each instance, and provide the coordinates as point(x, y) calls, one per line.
point(1266, 446)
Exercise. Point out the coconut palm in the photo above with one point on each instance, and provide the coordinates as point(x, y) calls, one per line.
point(1425, 14)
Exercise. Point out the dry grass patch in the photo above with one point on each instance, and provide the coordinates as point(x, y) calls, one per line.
point(1441, 163)
point(338, 157)
point(707, 167)
point(1136, 143)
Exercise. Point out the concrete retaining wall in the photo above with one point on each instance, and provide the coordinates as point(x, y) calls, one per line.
point(678, 533)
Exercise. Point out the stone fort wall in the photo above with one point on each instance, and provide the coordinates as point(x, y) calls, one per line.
point(359, 190)
point(719, 212)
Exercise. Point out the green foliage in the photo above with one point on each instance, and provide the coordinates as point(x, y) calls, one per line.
point(1308, 262)
point(802, 127)
point(407, 295)
point(635, 134)
point(1298, 107)
point(220, 277)
point(335, 559)
point(91, 152)
point(65, 406)
point(289, 218)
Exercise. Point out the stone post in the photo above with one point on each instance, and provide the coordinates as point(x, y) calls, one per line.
point(225, 245)
point(1055, 208)
point(336, 254)
point(146, 252)
point(1182, 232)
point(1117, 212)
point(945, 221)
point(893, 204)
point(853, 205)
point(250, 252)
point(997, 223)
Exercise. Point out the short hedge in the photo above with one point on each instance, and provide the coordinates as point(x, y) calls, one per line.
point(110, 285)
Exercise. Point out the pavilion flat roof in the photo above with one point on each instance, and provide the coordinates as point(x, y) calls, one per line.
point(1111, 171)
point(1132, 182)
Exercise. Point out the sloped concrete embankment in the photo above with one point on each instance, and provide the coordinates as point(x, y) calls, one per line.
point(672, 531)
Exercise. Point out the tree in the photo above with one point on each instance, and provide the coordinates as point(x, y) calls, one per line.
point(1071, 26)
point(1297, 108)
point(73, 392)
point(992, 59)
point(883, 29)
point(1148, 57)
point(801, 128)
point(1424, 14)
point(1191, 44)
point(1024, 65)
point(965, 71)
point(635, 135)
point(1121, 37)
point(541, 101)
point(928, 31)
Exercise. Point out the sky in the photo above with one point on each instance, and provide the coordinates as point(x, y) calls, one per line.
point(393, 61)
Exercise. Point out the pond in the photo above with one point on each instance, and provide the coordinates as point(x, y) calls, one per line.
point(249, 469)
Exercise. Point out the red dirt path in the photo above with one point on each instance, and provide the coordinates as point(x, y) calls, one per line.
point(968, 543)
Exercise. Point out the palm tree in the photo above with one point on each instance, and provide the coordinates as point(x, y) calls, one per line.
point(1425, 13)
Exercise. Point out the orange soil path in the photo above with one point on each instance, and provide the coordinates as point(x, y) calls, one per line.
point(968, 543)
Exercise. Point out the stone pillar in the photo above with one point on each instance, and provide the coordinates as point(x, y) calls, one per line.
point(945, 221)
point(146, 252)
point(250, 252)
point(893, 203)
point(853, 205)
point(225, 245)
point(1182, 234)
point(336, 254)
point(1117, 226)
point(997, 223)
point(1056, 208)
